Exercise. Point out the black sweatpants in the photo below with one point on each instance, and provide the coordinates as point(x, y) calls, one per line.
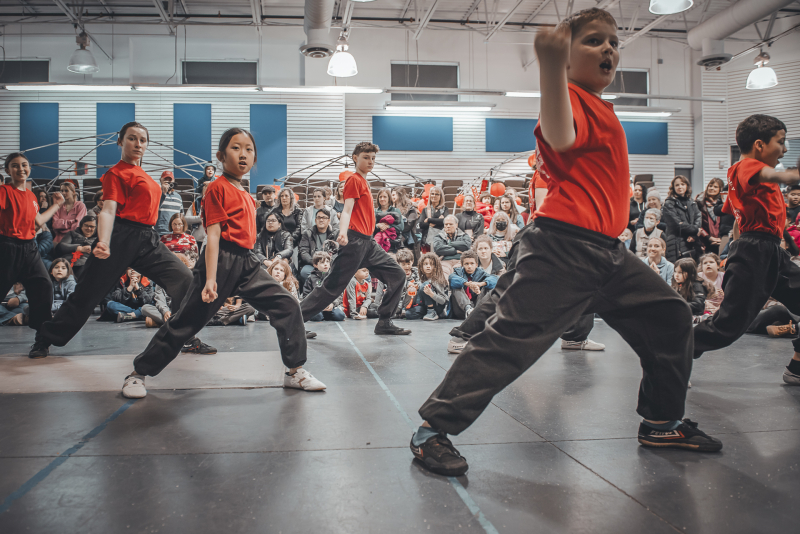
point(487, 306)
point(757, 268)
point(772, 316)
point(563, 272)
point(238, 273)
point(132, 245)
point(20, 262)
point(361, 251)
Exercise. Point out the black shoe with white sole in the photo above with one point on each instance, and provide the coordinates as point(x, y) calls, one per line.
point(685, 436)
point(439, 456)
point(198, 347)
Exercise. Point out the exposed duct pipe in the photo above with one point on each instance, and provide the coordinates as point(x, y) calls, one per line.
point(708, 36)
point(317, 25)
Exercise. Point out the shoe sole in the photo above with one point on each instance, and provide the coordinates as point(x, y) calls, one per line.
point(191, 351)
point(687, 446)
point(37, 356)
point(408, 332)
point(304, 389)
point(791, 379)
point(134, 396)
point(441, 470)
point(454, 351)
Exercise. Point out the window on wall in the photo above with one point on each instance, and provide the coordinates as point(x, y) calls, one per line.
point(24, 71)
point(735, 154)
point(793, 154)
point(630, 81)
point(220, 72)
point(413, 74)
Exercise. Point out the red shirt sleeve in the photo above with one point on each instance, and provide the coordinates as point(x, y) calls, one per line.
point(747, 174)
point(214, 206)
point(112, 188)
point(3, 199)
point(353, 187)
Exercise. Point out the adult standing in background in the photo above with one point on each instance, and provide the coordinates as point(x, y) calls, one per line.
point(171, 203)
point(289, 214)
point(707, 202)
point(310, 213)
point(683, 220)
point(268, 194)
point(207, 178)
point(638, 205)
point(69, 215)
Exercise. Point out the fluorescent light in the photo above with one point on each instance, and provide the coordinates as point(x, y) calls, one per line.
point(761, 78)
point(439, 106)
point(442, 108)
point(644, 114)
point(669, 7)
point(198, 88)
point(323, 89)
point(609, 97)
point(524, 94)
point(59, 87)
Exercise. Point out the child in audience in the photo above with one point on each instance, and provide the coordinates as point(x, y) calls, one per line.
point(774, 320)
point(709, 271)
point(656, 248)
point(486, 258)
point(233, 310)
point(358, 296)
point(652, 218)
point(322, 264)
point(129, 296)
point(281, 271)
point(626, 236)
point(63, 281)
point(435, 291)
point(406, 260)
point(14, 307)
point(792, 203)
point(690, 286)
point(469, 284)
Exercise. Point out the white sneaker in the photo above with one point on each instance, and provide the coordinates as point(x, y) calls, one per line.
point(467, 311)
point(302, 379)
point(133, 388)
point(587, 344)
point(791, 378)
point(456, 345)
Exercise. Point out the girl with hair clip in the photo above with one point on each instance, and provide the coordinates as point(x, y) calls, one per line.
point(228, 267)
point(125, 238)
point(19, 255)
point(431, 221)
point(435, 290)
point(289, 214)
point(690, 286)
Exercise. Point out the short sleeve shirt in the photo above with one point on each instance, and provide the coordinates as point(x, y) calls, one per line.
point(233, 209)
point(536, 183)
point(589, 184)
point(758, 207)
point(362, 219)
point(137, 195)
point(18, 210)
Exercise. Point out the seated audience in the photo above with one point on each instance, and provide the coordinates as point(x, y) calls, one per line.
point(638, 205)
point(683, 220)
point(502, 232)
point(322, 264)
point(273, 242)
point(405, 258)
point(42, 198)
point(281, 271)
point(388, 222)
point(468, 284)
point(338, 203)
point(310, 213)
point(709, 271)
point(482, 245)
point(432, 217)
point(434, 294)
point(69, 215)
point(234, 310)
point(98, 203)
point(656, 247)
point(450, 243)
point(171, 203)
point(179, 240)
point(289, 214)
point(63, 282)
point(410, 238)
point(469, 220)
point(652, 218)
point(13, 310)
point(707, 202)
point(653, 202)
point(157, 313)
point(691, 287)
point(793, 203)
point(313, 241)
point(267, 204)
point(358, 296)
point(774, 320)
point(132, 299)
point(76, 246)
point(509, 207)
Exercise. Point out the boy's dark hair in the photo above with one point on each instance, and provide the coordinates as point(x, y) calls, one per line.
point(405, 256)
point(469, 254)
point(365, 146)
point(65, 262)
point(755, 128)
point(325, 210)
point(225, 140)
point(319, 256)
point(578, 20)
point(795, 187)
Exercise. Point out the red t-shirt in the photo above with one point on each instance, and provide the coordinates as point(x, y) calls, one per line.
point(234, 209)
point(137, 195)
point(536, 183)
point(362, 219)
point(18, 210)
point(758, 207)
point(589, 184)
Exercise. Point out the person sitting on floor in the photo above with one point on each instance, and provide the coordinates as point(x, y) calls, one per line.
point(691, 287)
point(709, 271)
point(132, 299)
point(406, 260)
point(63, 281)
point(469, 284)
point(272, 242)
point(281, 271)
point(656, 248)
point(450, 243)
point(486, 258)
point(234, 310)
point(358, 296)
point(76, 245)
point(14, 306)
point(322, 264)
point(434, 295)
point(774, 320)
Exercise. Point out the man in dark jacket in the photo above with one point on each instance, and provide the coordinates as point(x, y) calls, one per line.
point(314, 240)
point(449, 244)
point(468, 284)
point(267, 205)
point(129, 296)
point(273, 243)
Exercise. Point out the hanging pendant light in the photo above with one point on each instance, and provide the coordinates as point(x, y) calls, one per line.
point(82, 60)
point(761, 77)
point(342, 63)
point(669, 7)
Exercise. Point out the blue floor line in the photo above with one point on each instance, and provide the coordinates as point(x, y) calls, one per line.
point(460, 489)
point(60, 459)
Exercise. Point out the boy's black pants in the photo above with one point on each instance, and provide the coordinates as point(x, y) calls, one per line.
point(361, 251)
point(757, 268)
point(238, 273)
point(562, 273)
point(132, 245)
point(20, 262)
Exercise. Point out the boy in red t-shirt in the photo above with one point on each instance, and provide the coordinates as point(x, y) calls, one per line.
point(757, 267)
point(573, 261)
point(358, 249)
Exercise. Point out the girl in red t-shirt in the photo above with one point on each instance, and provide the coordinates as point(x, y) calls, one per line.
point(125, 238)
point(19, 255)
point(228, 267)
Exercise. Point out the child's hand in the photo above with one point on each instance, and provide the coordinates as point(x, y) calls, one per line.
point(102, 250)
point(428, 291)
point(167, 315)
point(363, 312)
point(329, 307)
point(552, 47)
point(210, 291)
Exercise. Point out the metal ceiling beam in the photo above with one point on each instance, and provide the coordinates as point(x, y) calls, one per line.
point(405, 9)
point(68, 12)
point(607, 4)
point(499, 25)
point(185, 7)
point(536, 12)
point(162, 14)
point(644, 30)
point(255, 8)
point(347, 17)
point(425, 20)
point(471, 10)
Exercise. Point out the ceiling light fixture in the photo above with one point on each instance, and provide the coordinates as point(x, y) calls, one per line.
point(761, 77)
point(324, 89)
point(342, 63)
point(82, 60)
point(199, 88)
point(524, 94)
point(60, 87)
point(669, 7)
point(409, 105)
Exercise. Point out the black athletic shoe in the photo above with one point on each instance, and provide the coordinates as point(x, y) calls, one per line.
point(686, 436)
point(310, 335)
point(439, 456)
point(386, 327)
point(198, 347)
point(40, 349)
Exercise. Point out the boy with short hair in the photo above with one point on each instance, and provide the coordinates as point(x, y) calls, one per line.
point(322, 263)
point(358, 250)
point(357, 297)
point(469, 284)
point(757, 267)
point(573, 259)
point(405, 258)
point(793, 203)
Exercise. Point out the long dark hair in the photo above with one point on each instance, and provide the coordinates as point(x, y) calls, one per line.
point(686, 289)
point(437, 275)
point(684, 180)
point(225, 140)
point(402, 203)
point(14, 155)
point(65, 262)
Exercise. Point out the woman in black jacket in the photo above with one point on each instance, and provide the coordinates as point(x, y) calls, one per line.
point(690, 286)
point(638, 205)
point(273, 242)
point(470, 220)
point(683, 219)
point(707, 202)
point(432, 217)
point(289, 214)
point(79, 241)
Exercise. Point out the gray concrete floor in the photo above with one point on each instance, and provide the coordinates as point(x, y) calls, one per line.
point(555, 452)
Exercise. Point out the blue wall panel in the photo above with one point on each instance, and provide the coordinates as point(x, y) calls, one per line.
point(647, 137)
point(110, 118)
point(510, 135)
point(268, 126)
point(413, 133)
point(38, 126)
point(191, 133)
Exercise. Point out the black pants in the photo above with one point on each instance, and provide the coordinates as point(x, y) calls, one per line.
point(757, 268)
point(361, 251)
point(459, 301)
point(772, 316)
point(238, 273)
point(20, 262)
point(487, 306)
point(563, 272)
point(132, 245)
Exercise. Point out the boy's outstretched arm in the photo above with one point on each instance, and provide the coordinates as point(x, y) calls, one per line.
point(770, 175)
point(555, 117)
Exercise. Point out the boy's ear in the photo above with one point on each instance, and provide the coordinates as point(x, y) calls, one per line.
point(220, 156)
point(758, 145)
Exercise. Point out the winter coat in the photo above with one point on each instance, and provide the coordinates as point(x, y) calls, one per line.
point(263, 210)
point(683, 220)
point(309, 219)
point(62, 290)
point(292, 223)
point(436, 217)
point(459, 277)
point(471, 220)
point(144, 295)
point(637, 208)
point(269, 245)
point(68, 247)
point(397, 217)
point(385, 237)
point(308, 244)
point(726, 221)
point(410, 234)
point(640, 239)
point(44, 242)
point(451, 249)
point(441, 294)
point(698, 303)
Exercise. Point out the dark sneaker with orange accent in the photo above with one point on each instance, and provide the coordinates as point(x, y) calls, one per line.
point(439, 456)
point(685, 436)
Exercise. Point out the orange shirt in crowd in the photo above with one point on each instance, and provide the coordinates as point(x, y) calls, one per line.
point(137, 195)
point(362, 219)
point(18, 210)
point(758, 207)
point(233, 209)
